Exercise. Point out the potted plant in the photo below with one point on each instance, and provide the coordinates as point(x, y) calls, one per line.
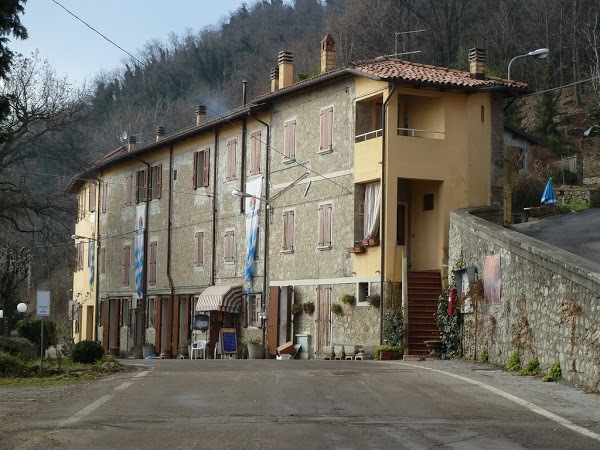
point(388, 352)
point(255, 345)
point(373, 300)
point(309, 307)
point(348, 299)
point(336, 309)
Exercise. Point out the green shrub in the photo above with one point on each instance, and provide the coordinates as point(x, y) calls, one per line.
point(393, 326)
point(554, 373)
point(449, 327)
point(533, 368)
point(297, 309)
point(570, 178)
point(87, 352)
point(12, 367)
point(309, 307)
point(514, 362)
point(484, 356)
point(18, 347)
point(31, 329)
point(398, 349)
point(348, 299)
point(336, 309)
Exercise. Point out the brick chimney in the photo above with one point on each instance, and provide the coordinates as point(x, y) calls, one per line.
point(274, 79)
point(200, 114)
point(477, 59)
point(131, 143)
point(327, 53)
point(160, 133)
point(286, 69)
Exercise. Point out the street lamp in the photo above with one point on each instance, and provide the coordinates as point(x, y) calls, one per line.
point(539, 53)
point(77, 236)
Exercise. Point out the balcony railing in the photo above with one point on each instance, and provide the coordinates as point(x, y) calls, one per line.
point(369, 135)
point(414, 132)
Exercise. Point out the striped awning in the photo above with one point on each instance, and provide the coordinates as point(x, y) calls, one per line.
point(222, 297)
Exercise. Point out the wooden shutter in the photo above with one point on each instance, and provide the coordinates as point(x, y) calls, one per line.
point(146, 178)
point(323, 139)
point(229, 246)
point(327, 227)
point(288, 230)
point(326, 128)
point(195, 171)
point(104, 322)
point(321, 241)
point(258, 310)
point(197, 255)
point(92, 197)
point(126, 263)
point(104, 197)
point(152, 274)
point(128, 185)
point(273, 320)
point(255, 153)
point(102, 251)
point(205, 168)
point(159, 181)
point(231, 162)
point(290, 140)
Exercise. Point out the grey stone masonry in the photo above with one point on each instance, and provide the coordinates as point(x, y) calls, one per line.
point(549, 303)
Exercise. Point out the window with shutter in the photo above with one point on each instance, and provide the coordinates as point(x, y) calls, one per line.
point(326, 129)
point(325, 226)
point(152, 271)
point(289, 137)
point(155, 182)
point(104, 196)
point(231, 159)
point(128, 189)
point(229, 246)
point(102, 254)
point(199, 258)
point(206, 167)
point(92, 197)
point(126, 264)
point(141, 184)
point(255, 153)
point(201, 168)
point(288, 231)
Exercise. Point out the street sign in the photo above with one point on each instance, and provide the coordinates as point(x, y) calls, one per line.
point(43, 304)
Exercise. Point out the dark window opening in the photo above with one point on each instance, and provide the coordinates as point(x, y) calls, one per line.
point(428, 202)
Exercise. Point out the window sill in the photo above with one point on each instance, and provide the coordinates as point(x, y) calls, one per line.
point(325, 151)
point(289, 160)
point(286, 251)
point(229, 263)
point(324, 247)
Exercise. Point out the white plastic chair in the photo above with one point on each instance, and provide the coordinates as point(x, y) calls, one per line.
point(198, 346)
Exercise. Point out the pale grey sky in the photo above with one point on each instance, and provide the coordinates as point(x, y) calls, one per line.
point(79, 53)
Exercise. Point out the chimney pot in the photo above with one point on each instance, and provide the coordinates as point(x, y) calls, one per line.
point(327, 53)
point(477, 60)
point(200, 114)
point(286, 69)
point(160, 133)
point(274, 79)
point(131, 143)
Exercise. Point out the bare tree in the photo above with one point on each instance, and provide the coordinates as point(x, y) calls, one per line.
point(14, 269)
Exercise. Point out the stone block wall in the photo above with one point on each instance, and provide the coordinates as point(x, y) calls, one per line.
point(578, 194)
point(549, 303)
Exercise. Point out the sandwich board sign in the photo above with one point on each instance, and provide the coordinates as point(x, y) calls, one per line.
point(43, 304)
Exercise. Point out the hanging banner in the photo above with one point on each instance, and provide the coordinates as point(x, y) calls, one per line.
point(140, 226)
point(92, 249)
point(254, 188)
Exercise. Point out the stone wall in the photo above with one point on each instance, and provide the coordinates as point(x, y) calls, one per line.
point(578, 194)
point(549, 303)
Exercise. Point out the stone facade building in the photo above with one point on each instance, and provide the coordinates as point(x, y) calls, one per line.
point(354, 170)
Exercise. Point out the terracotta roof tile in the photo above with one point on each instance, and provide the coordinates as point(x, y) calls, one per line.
point(396, 69)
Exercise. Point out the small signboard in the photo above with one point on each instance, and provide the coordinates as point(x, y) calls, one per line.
point(43, 304)
point(228, 341)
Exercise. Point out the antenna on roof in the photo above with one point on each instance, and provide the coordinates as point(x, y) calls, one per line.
point(404, 34)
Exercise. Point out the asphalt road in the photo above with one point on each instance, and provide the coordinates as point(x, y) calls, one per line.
point(302, 404)
point(578, 233)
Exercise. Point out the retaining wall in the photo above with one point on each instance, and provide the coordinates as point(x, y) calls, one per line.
point(549, 302)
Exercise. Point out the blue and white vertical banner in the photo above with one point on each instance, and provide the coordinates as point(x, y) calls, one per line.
point(92, 248)
point(140, 226)
point(254, 188)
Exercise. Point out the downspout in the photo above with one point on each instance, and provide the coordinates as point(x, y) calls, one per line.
point(169, 222)
point(214, 214)
point(383, 211)
point(97, 226)
point(243, 158)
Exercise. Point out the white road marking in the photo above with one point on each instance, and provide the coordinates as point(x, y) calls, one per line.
point(85, 411)
point(532, 407)
point(141, 374)
point(124, 386)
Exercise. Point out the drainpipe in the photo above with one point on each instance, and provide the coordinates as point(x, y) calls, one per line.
point(383, 216)
point(169, 222)
point(97, 226)
point(214, 213)
point(266, 228)
point(243, 161)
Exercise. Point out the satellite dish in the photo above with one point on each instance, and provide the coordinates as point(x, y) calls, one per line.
point(124, 136)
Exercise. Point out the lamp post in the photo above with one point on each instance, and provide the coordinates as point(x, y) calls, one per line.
point(539, 53)
point(21, 308)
